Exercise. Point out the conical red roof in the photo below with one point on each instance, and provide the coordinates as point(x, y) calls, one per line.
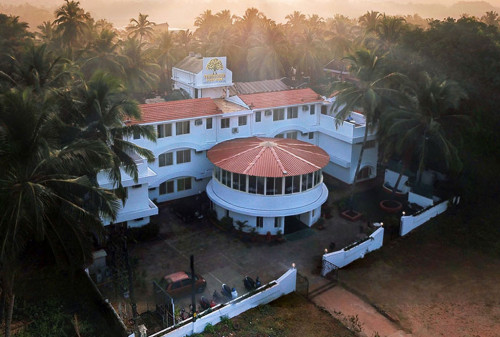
point(268, 157)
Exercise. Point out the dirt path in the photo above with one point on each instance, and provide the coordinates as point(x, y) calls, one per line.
point(356, 314)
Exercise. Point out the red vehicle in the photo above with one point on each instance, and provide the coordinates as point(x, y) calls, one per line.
point(179, 284)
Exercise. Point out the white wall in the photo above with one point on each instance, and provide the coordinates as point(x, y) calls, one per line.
point(282, 286)
point(410, 222)
point(420, 200)
point(342, 258)
point(391, 178)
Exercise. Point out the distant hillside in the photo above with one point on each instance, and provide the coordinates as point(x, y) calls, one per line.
point(33, 15)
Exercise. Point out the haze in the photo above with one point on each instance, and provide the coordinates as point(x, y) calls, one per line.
point(181, 13)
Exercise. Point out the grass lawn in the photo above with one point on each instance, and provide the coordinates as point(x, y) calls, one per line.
point(290, 315)
point(440, 280)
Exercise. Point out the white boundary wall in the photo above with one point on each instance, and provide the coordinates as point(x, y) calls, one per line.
point(410, 222)
point(284, 285)
point(342, 258)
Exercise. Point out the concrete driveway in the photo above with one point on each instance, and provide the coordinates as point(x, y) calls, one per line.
point(224, 257)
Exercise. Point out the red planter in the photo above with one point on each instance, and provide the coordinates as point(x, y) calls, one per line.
point(390, 206)
point(351, 215)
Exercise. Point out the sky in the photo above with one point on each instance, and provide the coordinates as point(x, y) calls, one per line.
point(182, 13)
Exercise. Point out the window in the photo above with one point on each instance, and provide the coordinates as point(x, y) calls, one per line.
point(259, 223)
point(279, 136)
point(224, 123)
point(164, 130)
point(258, 116)
point(183, 184)
point(183, 156)
point(278, 114)
point(293, 112)
point(277, 222)
point(242, 120)
point(311, 135)
point(365, 173)
point(209, 123)
point(166, 159)
point(182, 128)
point(292, 135)
point(311, 110)
point(324, 109)
point(167, 187)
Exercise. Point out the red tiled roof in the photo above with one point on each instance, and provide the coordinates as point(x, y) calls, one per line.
point(281, 98)
point(268, 157)
point(189, 108)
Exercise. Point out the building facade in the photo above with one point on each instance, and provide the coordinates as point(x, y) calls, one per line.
point(187, 129)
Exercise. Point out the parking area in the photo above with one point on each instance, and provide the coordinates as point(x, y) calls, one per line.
point(225, 257)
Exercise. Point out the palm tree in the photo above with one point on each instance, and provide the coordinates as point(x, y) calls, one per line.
point(100, 112)
point(141, 27)
point(296, 21)
point(389, 30)
point(426, 126)
point(165, 55)
point(309, 54)
point(38, 69)
point(370, 21)
point(141, 73)
point(103, 54)
point(44, 193)
point(71, 23)
point(368, 93)
point(263, 58)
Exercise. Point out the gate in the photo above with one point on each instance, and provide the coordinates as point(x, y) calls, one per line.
point(164, 303)
point(302, 286)
point(330, 271)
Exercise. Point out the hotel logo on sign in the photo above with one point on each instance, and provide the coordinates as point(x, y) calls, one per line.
point(214, 69)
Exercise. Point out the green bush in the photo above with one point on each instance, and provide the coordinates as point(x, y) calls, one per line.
point(227, 222)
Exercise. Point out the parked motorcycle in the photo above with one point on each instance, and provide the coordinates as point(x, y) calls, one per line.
point(226, 291)
point(216, 297)
point(205, 303)
point(249, 283)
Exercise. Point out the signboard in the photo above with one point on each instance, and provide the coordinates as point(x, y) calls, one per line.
point(214, 70)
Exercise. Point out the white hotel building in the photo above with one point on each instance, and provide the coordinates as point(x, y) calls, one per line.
point(188, 129)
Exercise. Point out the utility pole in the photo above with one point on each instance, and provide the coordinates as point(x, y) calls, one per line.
point(193, 300)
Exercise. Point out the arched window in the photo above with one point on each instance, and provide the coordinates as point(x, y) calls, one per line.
point(364, 173)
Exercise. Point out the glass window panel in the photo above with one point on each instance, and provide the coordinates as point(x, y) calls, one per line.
point(288, 185)
point(309, 180)
point(278, 185)
point(260, 185)
point(296, 184)
point(243, 182)
point(270, 186)
point(252, 184)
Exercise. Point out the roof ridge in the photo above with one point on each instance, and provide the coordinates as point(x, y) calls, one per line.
point(254, 161)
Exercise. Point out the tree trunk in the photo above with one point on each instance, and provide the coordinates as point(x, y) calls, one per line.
point(358, 166)
point(8, 289)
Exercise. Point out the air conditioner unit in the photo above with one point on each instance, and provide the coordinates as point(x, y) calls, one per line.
point(268, 113)
point(235, 130)
point(305, 108)
point(198, 122)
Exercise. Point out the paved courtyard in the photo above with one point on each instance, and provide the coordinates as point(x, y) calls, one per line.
point(224, 257)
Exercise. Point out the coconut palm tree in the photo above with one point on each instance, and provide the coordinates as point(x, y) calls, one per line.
point(71, 23)
point(309, 53)
point(38, 69)
point(426, 126)
point(101, 110)
point(141, 73)
point(369, 92)
point(141, 27)
point(103, 54)
point(45, 196)
point(264, 57)
point(370, 21)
